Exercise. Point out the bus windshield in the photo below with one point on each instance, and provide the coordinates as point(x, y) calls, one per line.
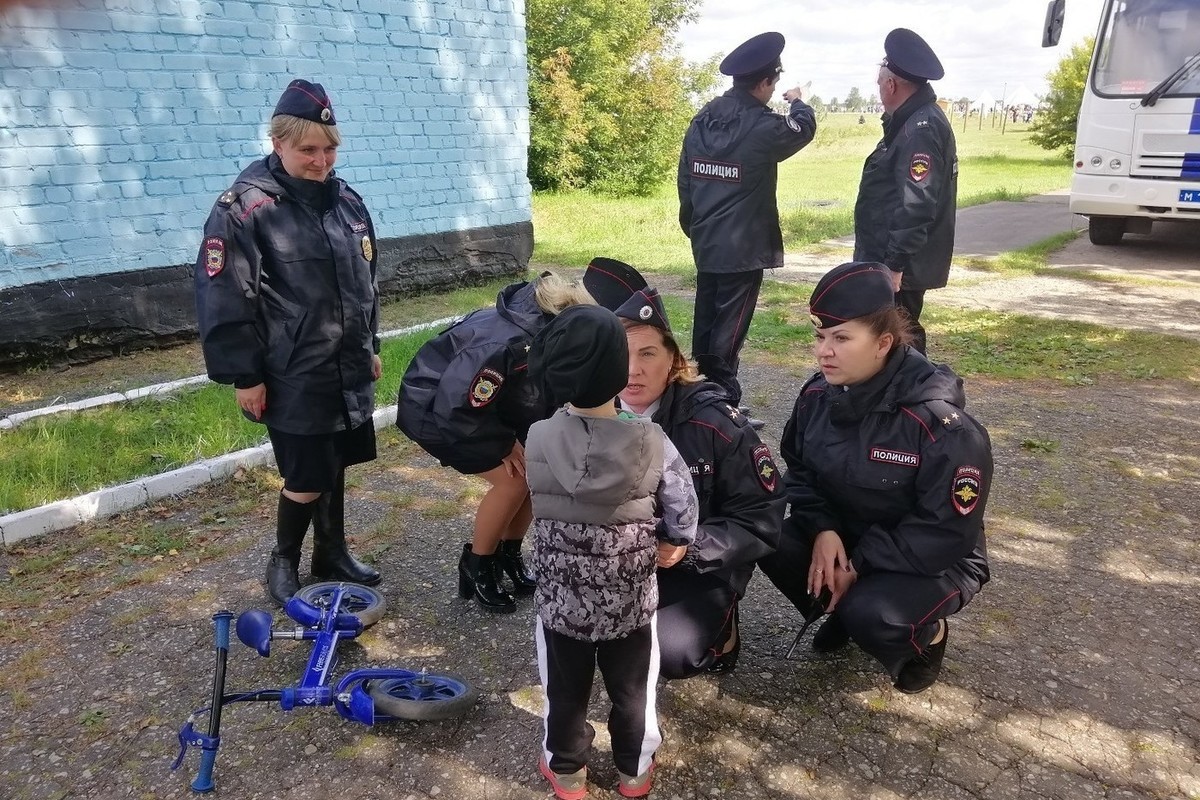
point(1144, 41)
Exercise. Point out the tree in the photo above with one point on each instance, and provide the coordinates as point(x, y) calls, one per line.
point(609, 98)
point(834, 105)
point(817, 103)
point(854, 100)
point(1054, 126)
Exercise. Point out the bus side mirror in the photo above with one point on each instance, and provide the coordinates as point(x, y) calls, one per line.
point(1056, 11)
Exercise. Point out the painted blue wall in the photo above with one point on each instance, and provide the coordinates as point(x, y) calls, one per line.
point(122, 120)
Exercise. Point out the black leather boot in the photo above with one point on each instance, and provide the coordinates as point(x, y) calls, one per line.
point(283, 579)
point(477, 578)
point(511, 563)
point(331, 560)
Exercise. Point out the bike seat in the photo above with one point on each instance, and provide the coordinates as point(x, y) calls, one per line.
point(254, 630)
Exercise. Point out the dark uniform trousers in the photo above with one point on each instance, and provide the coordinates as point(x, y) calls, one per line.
point(912, 301)
point(629, 667)
point(724, 307)
point(892, 616)
point(696, 615)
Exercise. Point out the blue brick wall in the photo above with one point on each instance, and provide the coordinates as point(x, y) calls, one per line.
point(124, 119)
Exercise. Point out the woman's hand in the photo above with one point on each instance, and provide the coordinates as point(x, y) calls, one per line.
point(376, 367)
point(253, 400)
point(828, 558)
point(514, 462)
point(843, 579)
point(669, 554)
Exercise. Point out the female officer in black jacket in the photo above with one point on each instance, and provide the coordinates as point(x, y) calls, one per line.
point(465, 400)
point(288, 311)
point(736, 482)
point(887, 482)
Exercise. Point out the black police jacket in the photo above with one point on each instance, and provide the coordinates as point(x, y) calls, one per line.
point(904, 216)
point(466, 390)
point(736, 481)
point(286, 296)
point(895, 467)
point(728, 170)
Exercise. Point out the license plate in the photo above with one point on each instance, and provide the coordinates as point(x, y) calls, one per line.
point(1189, 195)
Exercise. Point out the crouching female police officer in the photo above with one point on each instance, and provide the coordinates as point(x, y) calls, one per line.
point(288, 311)
point(887, 481)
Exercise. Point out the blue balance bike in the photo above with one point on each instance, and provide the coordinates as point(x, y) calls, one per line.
point(327, 613)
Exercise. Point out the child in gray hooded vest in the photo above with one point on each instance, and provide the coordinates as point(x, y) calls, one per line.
point(612, 501)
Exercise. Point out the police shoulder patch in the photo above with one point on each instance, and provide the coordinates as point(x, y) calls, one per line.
point(764, 467)
point(227, 197)
point(214, 255)
point(484, 386)
point(966, 489)
point(920, 167)
point(793, 124)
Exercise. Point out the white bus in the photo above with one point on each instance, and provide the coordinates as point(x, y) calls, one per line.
point(1137, 146)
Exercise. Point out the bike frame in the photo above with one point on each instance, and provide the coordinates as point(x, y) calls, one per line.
point(326, 628)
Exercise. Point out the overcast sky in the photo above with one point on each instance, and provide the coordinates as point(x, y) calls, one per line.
point(983, 44)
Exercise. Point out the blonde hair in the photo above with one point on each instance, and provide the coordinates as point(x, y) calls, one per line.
point(682, 370)
point(553, 293)
point(292, 129)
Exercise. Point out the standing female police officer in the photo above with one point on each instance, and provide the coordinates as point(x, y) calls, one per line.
point(741, 505)
point(887, 482)
point(288, 311)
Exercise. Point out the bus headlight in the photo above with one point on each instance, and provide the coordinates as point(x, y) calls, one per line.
point(1115, 164)
point(1097, 161)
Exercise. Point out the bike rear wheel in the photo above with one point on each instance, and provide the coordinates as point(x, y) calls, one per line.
point(362, 601)
point(423, 697)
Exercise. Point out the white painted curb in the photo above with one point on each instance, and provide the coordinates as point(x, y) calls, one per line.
point(115, 499)
point(13, 420)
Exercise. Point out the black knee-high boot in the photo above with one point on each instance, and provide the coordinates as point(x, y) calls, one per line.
point(283, 579)
point(477, 578)
point(331, 560)
point(510, 561)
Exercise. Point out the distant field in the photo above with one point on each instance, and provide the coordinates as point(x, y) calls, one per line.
point(817, 187)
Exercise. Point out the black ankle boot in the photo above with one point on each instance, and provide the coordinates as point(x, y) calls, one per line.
point(283, 579)
point(477, 578)
point(331, 560)
point(509, 559)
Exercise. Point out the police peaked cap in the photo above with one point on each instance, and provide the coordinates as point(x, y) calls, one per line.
point(306, 101)
point(755, 55)
point(910, 57)
point(850, 291)
point(610, 282)
point(645, 307)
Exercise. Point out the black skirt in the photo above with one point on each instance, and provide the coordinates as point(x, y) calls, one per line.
point(312, 463)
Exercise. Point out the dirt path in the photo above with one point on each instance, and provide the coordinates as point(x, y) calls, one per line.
point(1072, 675)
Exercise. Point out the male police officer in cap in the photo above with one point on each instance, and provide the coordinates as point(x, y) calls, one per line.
point(904, 217)
point(727, 175)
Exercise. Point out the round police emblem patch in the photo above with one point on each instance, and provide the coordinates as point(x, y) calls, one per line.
point(645, 312)
point(325, 114)
point(484, 387)
point(367, 250)
point(764, 467)
point(966, 489)
point(816, 321)
point(214, 255)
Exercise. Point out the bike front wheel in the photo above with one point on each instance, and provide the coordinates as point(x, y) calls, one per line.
point(424, 696)
point(362, 601)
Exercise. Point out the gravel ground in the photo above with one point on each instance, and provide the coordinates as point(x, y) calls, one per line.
point(1072, 675)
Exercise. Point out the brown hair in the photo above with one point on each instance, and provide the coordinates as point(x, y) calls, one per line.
point(292, 129)
point(890, 319)
point(682, 370)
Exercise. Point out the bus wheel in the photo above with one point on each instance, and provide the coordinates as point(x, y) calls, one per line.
point(1106, 230)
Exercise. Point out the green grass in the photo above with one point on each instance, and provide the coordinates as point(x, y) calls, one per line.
point(816, 195)
point(49, 458)
point(991, 344)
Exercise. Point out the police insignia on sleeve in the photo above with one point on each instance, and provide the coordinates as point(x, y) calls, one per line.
point(367, 250)
point(919, 167)
point(484, 387)
point(214, 255)
point(968, 485)
point(227, 197)
point(793, 124)
point(764, 467)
